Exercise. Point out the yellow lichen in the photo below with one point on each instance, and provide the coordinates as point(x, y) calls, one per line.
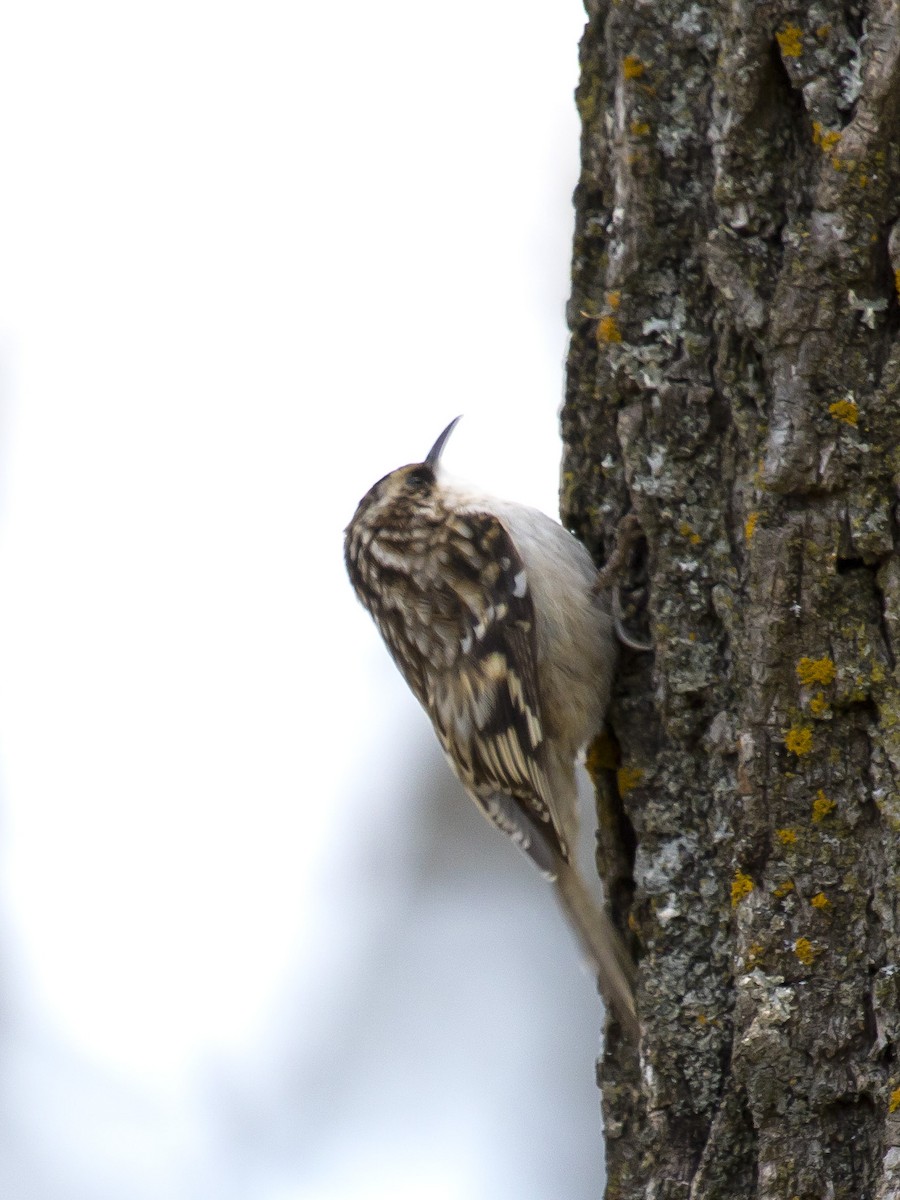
point(897, 281)
point(750, 525)
point(820, 900)
point(790, 39)
point(608, 330)
point(787, 837)
point(846, 411)
point(894, 1101)
point(614, 299)
point(805, 951)
point(602, 755)
point(818, 705)
point(741, 887)
point(688, 532)
point(639, 129)
point(628, 778)
point(632, 67)
point(783, 889)
point(827, 139)
point(822, 806)
point(799, 739)
point(754, 953)
point(816, 670)
point(823, 31)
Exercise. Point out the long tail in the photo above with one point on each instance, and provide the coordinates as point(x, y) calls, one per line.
point(604, 946)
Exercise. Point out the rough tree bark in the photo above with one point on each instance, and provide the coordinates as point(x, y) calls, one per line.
point(734, 379)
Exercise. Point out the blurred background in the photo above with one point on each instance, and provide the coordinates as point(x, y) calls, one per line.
point(254, 943)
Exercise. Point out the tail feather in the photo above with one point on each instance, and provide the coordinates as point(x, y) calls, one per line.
point(616, 972)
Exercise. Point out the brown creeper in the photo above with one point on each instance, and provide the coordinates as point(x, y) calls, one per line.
point(491, 612)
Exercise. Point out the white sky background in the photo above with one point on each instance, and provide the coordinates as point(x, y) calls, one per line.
point(251, 258)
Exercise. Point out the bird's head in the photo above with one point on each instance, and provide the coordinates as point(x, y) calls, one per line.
point(406, 492)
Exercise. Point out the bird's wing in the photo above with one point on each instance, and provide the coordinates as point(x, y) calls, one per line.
point(486, 706)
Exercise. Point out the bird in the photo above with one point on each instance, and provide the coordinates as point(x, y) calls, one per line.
point(501, 625)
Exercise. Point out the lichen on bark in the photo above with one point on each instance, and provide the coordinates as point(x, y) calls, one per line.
point(734, 379)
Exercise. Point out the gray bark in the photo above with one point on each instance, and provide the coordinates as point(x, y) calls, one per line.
point(734, 379)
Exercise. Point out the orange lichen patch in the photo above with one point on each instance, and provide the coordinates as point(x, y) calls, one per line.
point(897, 281)
point(846, 411)
point(816, 670)
point(608, 330)
point(783, 889)
point(894, 1101)
point(823, 31)
point(820, 900)
point(827, 139)
point(818, 705)
point(822, 806)
point(790, 39)
point(806, 951)
point(750, 525)
point(741, 887)
point(614, 299)
point(787, 837)
point(639, 128)
point(799, 740)
point(628, 778)
point(632, 67)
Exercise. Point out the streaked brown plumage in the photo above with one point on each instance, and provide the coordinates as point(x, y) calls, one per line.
point(491, 613)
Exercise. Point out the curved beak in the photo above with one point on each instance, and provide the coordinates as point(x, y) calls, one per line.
point(434, 454)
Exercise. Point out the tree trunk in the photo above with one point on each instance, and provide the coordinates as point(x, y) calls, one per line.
point(734, 379)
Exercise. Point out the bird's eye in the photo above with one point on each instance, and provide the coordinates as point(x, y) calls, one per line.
point(421, 478)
